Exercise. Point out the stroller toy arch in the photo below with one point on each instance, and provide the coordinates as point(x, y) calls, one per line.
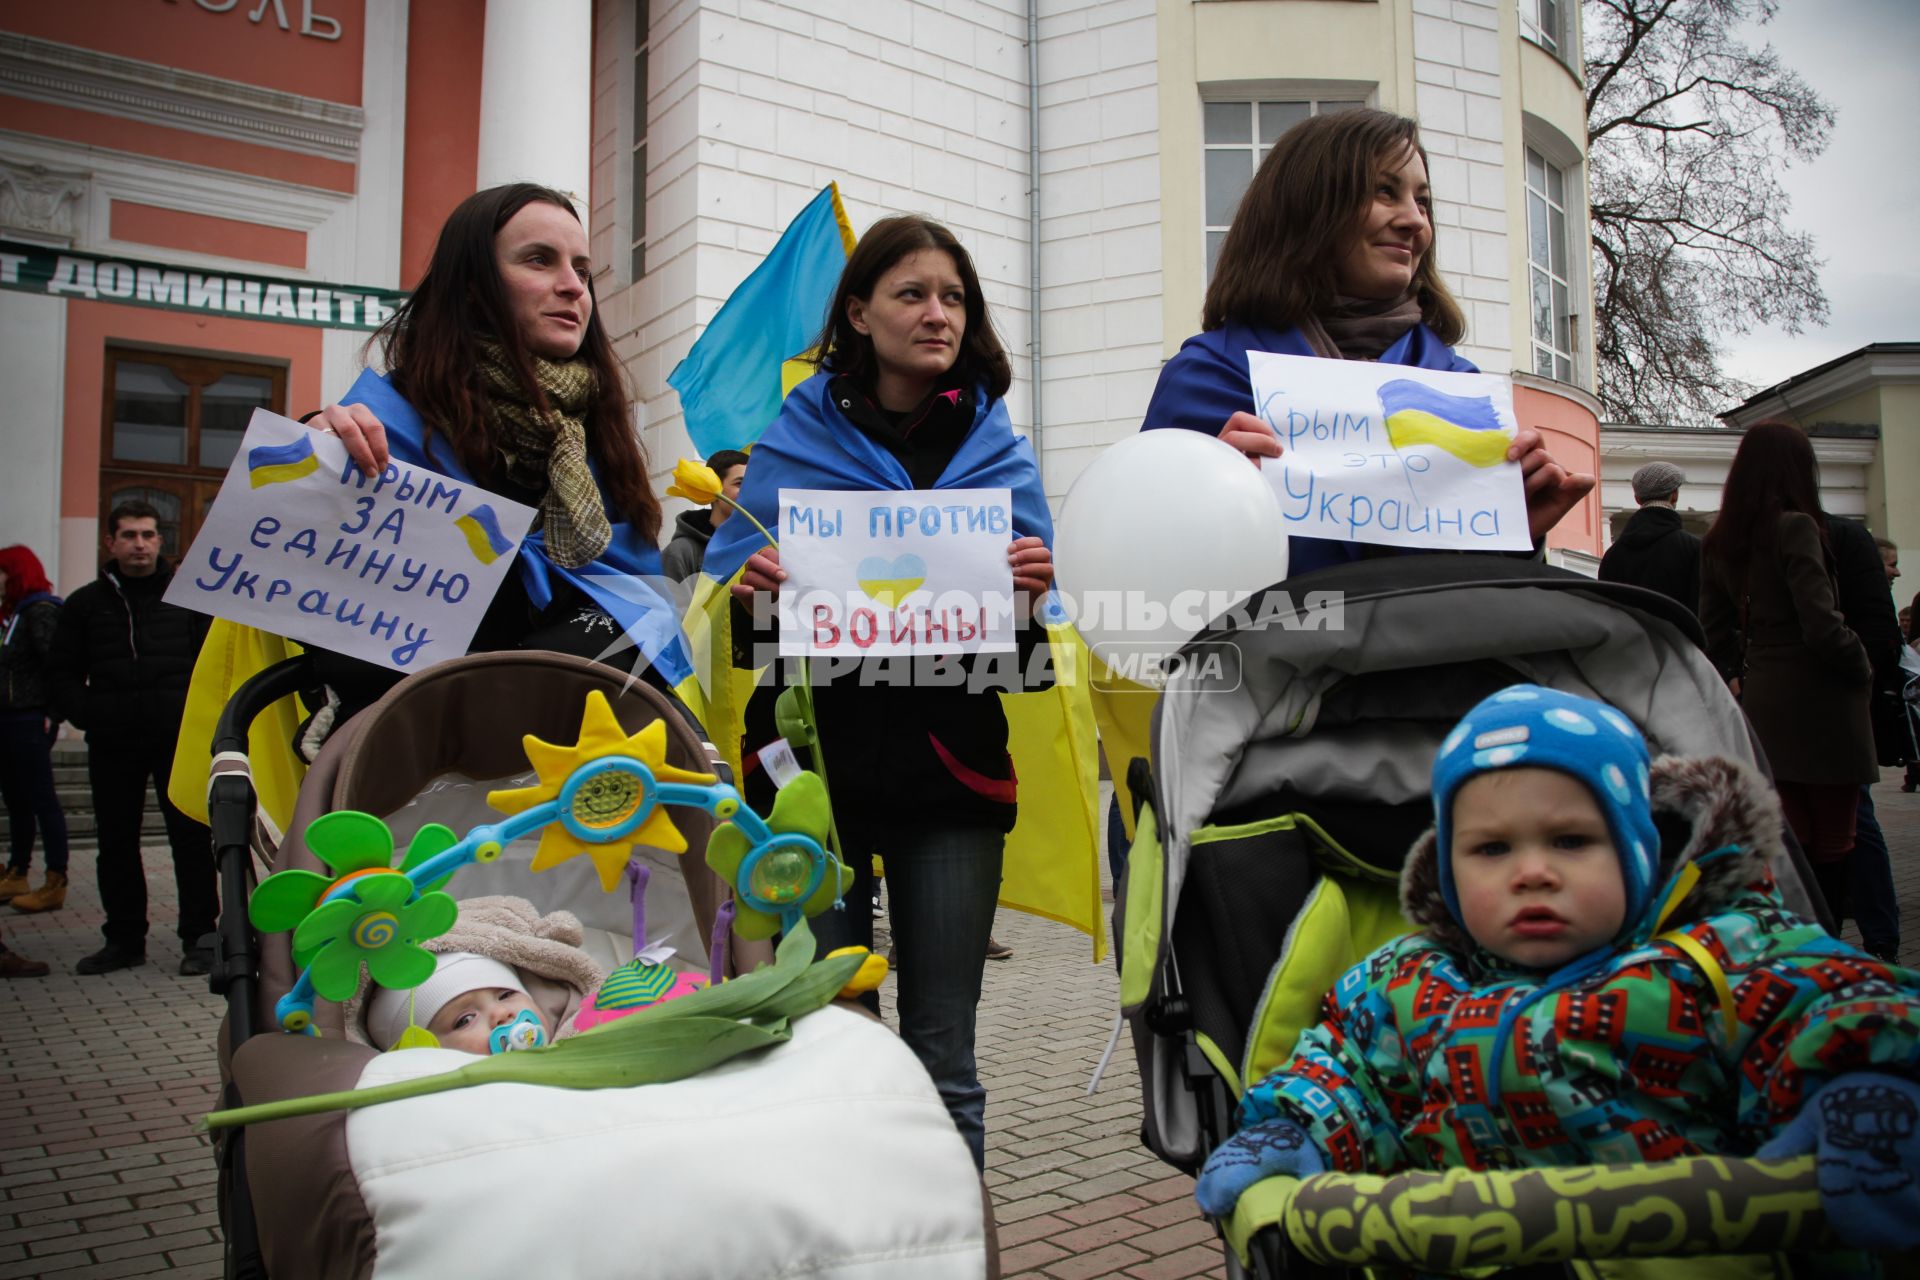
point(601, 796)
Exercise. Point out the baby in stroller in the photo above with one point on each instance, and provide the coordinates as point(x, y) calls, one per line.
point(472, 1003)
point(1600, 941)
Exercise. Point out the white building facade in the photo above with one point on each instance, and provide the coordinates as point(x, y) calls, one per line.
point(715, 121)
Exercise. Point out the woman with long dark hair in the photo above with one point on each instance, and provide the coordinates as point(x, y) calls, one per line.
point(909, 396)
point(501, 372)
point(29, 612)
point(1770, 607)
point(1331, 254)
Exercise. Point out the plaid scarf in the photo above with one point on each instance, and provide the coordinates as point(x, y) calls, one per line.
point(547, 453)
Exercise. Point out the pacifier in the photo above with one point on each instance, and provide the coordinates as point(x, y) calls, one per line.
point(524, 1032)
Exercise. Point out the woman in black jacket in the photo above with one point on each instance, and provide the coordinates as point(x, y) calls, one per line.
point(29, 612)
point(909, 397)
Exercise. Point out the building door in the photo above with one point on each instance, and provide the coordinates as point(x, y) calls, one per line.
point(171, 425)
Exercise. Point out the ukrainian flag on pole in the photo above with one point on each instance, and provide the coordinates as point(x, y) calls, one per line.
point(730, 383)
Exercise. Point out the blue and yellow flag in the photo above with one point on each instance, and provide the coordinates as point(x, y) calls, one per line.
point(278, 463)
point(730, 382)
point(1468, 427)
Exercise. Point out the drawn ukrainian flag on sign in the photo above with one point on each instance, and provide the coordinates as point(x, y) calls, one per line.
point(277, 463)
point(1468, 427)
point(484, 538)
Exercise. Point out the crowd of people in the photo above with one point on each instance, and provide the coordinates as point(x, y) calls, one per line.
point(1797, 610)
point(500, 372)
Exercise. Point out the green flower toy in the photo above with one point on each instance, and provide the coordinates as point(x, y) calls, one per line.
point(370, 912)
point(599, 796)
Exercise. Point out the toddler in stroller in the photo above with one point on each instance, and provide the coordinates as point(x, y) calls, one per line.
point(1274, 826)
point(1654, 999)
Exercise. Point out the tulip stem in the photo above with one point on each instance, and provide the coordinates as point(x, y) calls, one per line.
point(740, 510)
point(806, 696)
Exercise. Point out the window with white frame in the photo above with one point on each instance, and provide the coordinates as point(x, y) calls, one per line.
point(637, 225)
point(1550, 269)
point(1540, 23)
point(1237, 137)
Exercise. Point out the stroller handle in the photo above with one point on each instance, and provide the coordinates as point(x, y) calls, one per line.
point(1462, 1218)
point(259, 692)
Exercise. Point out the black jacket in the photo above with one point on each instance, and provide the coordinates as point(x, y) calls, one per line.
point(1865, 598)
point(688, 549)
point(122, 659)
point(915, 752)
point(24, 685)
point(1654, 551)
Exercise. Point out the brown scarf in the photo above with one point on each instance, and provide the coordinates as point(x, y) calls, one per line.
point(548, 453)
point(1360, 328)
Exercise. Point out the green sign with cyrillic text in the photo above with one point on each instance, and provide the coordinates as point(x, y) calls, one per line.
point(70, 273)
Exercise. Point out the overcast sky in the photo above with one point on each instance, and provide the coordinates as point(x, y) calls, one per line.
point(1861, 197)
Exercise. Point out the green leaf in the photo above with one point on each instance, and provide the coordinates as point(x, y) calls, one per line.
point(428, 842)
point(399, 965)
point(725, 849)
point(675, 1052)
point(336, 969)
point(350, 841)
point(388, 892)
point(802, 806)
point(283, 899)
point(790, 718)
point(660, 1043)
point(432, 915)
point(324, 923)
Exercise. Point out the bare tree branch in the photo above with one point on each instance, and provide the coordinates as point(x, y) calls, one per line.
point(1688, 131)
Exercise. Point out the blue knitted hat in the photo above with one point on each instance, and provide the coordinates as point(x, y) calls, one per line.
point(1529, 726)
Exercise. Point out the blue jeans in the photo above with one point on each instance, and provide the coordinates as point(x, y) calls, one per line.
point(1117, 845)
point(942, 887)
point(1871, 900)
point(26, 781)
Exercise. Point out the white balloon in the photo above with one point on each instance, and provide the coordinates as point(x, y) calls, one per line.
point(1163, 532)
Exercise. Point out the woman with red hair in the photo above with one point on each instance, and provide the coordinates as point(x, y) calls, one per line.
point(28, 613)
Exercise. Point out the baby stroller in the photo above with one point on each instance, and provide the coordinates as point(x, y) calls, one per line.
point(1284, 790)
point(830, 1154)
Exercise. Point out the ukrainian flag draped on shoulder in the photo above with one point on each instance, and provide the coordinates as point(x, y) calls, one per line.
point(618, 582)
point(1050, 861)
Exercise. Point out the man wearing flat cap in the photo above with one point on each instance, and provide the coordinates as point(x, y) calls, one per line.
point(1654, 550)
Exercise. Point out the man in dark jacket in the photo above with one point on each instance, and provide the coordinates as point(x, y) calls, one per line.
point(1654, 550)
point(1865, 576)
point(121, 661)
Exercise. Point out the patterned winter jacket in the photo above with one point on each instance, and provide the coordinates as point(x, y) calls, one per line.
point(1431, 1053)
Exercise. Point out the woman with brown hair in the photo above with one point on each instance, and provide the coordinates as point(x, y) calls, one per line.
point(1331, 254)
point(502, 374)
point(909, 397)
point(1770, 608)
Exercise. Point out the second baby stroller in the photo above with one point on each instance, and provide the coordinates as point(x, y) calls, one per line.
point(1276, 812)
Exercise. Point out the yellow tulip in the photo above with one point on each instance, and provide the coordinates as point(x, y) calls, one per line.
point(872, 971)
point(694, 481)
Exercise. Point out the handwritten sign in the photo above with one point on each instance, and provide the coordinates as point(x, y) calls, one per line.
point(396, 570)
point(1391, 454)
point(919, 572)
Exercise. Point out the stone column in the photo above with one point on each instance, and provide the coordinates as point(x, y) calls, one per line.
point(536, 96)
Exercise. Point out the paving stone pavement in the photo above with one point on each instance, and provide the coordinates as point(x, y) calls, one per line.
point(102, 1078)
